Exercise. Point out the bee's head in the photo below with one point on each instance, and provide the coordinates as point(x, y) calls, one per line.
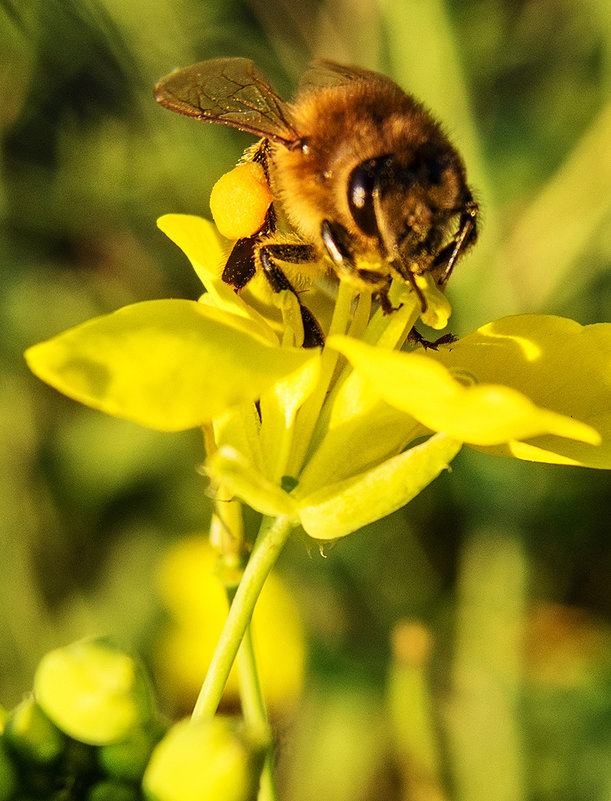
point(407, 204)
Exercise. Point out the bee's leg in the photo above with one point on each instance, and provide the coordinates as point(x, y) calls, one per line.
point(415, 338)
point(385, 302)
point(337, 243)
point(241, 265)
point(339, 248)
point(259, 153)
point(463, 239)
point(313, 336)
point(294, 253)
point(417, 291)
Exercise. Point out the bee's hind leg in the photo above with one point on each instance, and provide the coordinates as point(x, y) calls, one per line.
point(240, 266)
point(295, 253)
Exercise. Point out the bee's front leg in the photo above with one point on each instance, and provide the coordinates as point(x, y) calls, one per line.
point(337, 243)
point(338, 246)
point(465, 237)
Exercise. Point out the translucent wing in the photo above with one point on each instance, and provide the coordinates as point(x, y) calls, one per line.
point(230, 91)
point(324, 72)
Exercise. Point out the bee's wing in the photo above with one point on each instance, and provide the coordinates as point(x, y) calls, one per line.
point(230, 91)
point(325, 72)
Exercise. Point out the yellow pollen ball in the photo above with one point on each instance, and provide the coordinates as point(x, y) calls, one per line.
point(240, 199)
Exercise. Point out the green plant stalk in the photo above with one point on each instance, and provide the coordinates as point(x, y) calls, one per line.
point(272, 537)
point(251, 696)
point(255, 714)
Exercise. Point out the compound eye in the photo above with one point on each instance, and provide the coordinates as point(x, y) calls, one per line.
point(361, 188)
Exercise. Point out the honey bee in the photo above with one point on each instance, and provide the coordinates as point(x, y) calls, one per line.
point(359, 168)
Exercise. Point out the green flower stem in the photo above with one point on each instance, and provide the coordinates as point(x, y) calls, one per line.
point(253, 705)
point(227, 527)
point(267, 787)
point(227, 531)
point(272, 537)
point(255, 714)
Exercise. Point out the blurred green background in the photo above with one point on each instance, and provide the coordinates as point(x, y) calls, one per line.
point(506, 564)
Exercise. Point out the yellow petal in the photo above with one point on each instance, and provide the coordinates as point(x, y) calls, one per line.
point(560, 364)
point(480, 414)
point(358, 443)
point(238, 477)
point(346, 506)
point(166, 364)
point(199, 241)
point(279, 407)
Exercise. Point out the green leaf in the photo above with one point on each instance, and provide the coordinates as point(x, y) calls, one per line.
point(166, 364)
point(8, 774)
point(339, 509)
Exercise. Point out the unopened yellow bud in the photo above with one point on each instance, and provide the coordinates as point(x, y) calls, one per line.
point(93, 691)
point(240, 199)
point(213, 760)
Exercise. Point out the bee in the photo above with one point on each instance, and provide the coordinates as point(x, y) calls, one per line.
point(359, 168)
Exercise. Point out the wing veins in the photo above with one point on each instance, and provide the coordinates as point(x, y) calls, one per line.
point(216, 98)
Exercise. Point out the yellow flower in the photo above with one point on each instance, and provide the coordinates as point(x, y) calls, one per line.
point(336, 438)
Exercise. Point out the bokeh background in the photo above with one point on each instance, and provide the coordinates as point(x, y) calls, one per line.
point(459, 649)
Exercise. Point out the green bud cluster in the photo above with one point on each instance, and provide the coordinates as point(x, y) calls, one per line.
point(85, 733)
point(91, 731)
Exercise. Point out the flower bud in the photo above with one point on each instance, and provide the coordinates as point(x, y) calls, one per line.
point(213, 760)
point(93, 691)
point(32, 735)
